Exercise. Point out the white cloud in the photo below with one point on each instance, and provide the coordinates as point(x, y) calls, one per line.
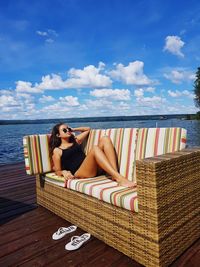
point(13, 105)
point(150, 89)
point(49, 35)
point(139, 92)
point(55, 110)
point(52, 32)
point(101, 103)
point(153, 102)
point(49, 40)
point(115, 94)
point(173, 44)
point(26, 87)
point(7, 100)
point(45, 99)
point(69, 101)
point(123, 106)
point(131, 74)
point(178, 76)
point(51, 82)
point(6, 92)
point(180, 93)
point(42, 33)
point(88, 77)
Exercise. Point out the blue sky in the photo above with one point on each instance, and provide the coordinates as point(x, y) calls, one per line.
point(82, 58)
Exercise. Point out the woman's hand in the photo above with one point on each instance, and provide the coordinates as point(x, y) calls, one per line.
point(67, 175)
point(84, 133)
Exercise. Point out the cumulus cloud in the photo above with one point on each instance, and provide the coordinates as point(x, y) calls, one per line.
point(22, 86)
point(51, 82)
point(150, 89)
point(45, 99)
point(49, 35)
point(178, 93)
point(69, 101)
point(178, 76)
point(13, 104)
point(7, 100)
point(42, 33)
point(88, 77)
point(100, 103)
point(6, 92)
point(49, 40)
point(153, 102)
point(173, 44)
point(131, 74)
point(139, 92)
point(115, 94)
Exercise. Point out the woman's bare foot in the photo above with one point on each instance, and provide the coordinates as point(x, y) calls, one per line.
point(126, 183)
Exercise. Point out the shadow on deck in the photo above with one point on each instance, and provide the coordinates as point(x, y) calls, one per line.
point(26, 230)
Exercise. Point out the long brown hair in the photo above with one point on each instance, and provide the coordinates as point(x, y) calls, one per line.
point(55, 140)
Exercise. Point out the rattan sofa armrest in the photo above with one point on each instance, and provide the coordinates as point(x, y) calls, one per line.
point(168, 188)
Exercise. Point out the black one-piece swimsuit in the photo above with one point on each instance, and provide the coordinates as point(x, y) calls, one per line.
point(72, 158)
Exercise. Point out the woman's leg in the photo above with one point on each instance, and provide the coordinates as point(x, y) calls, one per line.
point(95, 158)
point(107, 146)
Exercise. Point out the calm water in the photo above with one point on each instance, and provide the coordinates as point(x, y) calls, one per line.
point(11, 148)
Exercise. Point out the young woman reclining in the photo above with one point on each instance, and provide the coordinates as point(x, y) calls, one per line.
point(70, 161)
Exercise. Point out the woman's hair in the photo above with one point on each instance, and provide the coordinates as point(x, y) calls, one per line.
point(55, 140)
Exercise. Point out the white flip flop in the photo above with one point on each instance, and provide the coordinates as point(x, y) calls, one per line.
point(62, 231)
point(77, 241)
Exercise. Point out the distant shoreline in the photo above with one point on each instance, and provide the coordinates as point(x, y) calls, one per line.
point(101, 119)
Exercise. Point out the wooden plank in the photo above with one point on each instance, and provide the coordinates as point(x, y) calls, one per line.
point(26, 235)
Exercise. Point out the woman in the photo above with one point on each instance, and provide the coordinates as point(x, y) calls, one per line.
point(70, 161)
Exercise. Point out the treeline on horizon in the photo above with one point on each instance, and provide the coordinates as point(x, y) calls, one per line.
point(98, 119)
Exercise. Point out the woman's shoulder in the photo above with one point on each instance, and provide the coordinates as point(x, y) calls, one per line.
point(57, 151)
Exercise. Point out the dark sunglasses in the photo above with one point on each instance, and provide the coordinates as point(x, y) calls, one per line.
point(67, 130)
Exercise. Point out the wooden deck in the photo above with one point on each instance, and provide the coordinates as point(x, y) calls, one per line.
point(26, 230)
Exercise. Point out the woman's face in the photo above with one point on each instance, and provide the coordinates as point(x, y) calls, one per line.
point(64, 131)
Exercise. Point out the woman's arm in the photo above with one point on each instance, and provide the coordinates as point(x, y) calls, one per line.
point(84, 133)
point(57, 165)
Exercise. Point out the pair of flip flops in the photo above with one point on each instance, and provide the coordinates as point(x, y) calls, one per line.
point(76, 241)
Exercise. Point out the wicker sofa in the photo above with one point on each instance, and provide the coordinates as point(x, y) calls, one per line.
point(153, 223)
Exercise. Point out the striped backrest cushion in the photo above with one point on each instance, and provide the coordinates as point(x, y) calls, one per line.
point(93, 139)
point(157, 141)
point(36, 154)
point(124, 141)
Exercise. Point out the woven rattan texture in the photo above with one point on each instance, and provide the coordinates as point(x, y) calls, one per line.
point(168, 219)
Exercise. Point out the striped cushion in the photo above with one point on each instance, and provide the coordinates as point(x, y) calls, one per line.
point(124, 141)
point(93, 139)
point(36, 154)
point(106, 190)
point(55, 179)
point(157, 141)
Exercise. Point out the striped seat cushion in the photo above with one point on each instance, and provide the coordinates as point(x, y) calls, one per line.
point(55, 179)
point(36, 154)
point(157, 141)
point(106, 190)
point(100, 187)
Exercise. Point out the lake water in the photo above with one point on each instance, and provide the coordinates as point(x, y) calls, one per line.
point(11, 148)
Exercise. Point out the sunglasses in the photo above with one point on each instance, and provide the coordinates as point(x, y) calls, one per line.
point(67, 130)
